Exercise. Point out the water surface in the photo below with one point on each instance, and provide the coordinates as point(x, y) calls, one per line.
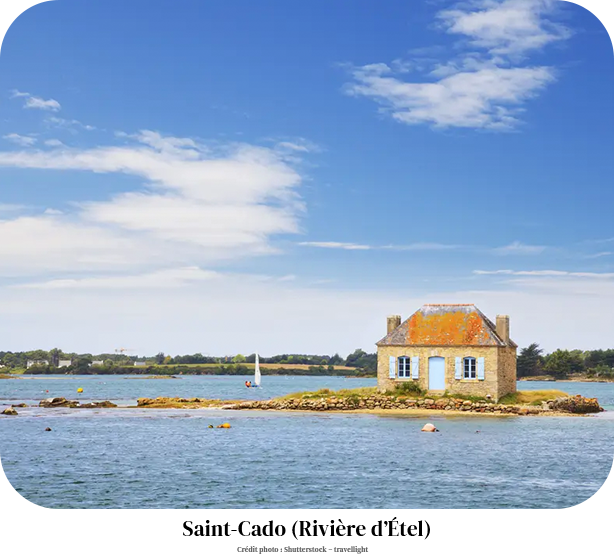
point(136, 458)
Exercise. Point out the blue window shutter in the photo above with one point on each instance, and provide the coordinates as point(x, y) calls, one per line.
point(415, 367)
point(458, 368)
point(481, 369)
point(393, 368)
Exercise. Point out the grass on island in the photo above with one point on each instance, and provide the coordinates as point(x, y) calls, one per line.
point(327, 393)
point(531, 397)
point(5, 376)
point(411, 390)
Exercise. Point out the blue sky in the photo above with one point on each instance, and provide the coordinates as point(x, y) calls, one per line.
point(232, 176)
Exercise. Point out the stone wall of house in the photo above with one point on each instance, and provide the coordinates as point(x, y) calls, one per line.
point(489, 386)
point(507, 371)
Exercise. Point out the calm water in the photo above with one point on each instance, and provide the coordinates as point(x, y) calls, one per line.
point(135, 458)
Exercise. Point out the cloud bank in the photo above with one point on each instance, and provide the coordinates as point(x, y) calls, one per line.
point(197, 204)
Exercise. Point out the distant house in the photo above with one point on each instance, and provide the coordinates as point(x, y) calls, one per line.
point(140, 364)
point(98, 362)
point(450, 348)
point(64, 363)
point(30, 363)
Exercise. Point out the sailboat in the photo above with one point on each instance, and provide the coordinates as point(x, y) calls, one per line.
point(257, 376)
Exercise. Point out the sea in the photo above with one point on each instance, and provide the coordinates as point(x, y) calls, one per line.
point(147, 458)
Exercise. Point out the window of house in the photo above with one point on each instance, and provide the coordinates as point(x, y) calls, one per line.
point(404, 366)
point(469, 368)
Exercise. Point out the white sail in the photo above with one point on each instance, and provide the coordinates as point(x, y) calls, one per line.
point(257, 375)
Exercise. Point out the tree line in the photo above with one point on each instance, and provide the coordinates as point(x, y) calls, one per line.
point(531, 362)
point(57, 361)
point(560, 364)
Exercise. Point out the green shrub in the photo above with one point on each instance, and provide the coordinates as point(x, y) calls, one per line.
point(410, 388)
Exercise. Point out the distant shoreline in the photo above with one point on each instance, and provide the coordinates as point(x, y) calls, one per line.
point(570, 380)
point(243, 370)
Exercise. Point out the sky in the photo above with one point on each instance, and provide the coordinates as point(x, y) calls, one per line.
point(230, 177)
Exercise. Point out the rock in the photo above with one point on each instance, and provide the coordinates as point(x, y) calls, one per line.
point(429, 428)
point(59, 402)
point(22, 405)
point(576, 405)
point(100, 404)
point(48, 429)
point(9, 411)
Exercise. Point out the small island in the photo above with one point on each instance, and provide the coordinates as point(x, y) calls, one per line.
point(400, 400)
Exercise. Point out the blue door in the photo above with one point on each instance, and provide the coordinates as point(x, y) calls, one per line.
point(437, 373)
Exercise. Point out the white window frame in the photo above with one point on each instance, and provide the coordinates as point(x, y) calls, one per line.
point(470, 371)
point(404, 367)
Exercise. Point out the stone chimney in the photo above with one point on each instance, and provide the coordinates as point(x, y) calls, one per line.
point(393, 322)
point(503, 328)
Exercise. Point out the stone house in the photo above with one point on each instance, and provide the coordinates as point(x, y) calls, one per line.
point(449, 348)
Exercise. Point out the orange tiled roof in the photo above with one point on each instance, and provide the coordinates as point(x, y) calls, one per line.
point(445, 325)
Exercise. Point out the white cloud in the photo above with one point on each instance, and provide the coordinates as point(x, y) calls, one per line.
point(479, 90)
point(510, 27)
point(21, 140)
point(294, 146)
point(54, 143)
point(11, 207)
point(69, 124)
point(166, 278)
point(546, 273)
point(600, 254)
point(197, 205)
point(37, 103)
point(337, 245)
point(355, 246)
point(489, 98)
point(517, 247)
point(34, 244)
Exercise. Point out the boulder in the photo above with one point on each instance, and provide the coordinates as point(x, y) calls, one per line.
point(576, 405)
point(429, 428)
point(22, 405)
point(100, 404)
point(9, 411)
point(59, 402)
point(48, 429)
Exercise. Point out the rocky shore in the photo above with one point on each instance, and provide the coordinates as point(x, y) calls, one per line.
point(61, 402)
point(567, 405)
point(577, 405)
point(186, 403)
